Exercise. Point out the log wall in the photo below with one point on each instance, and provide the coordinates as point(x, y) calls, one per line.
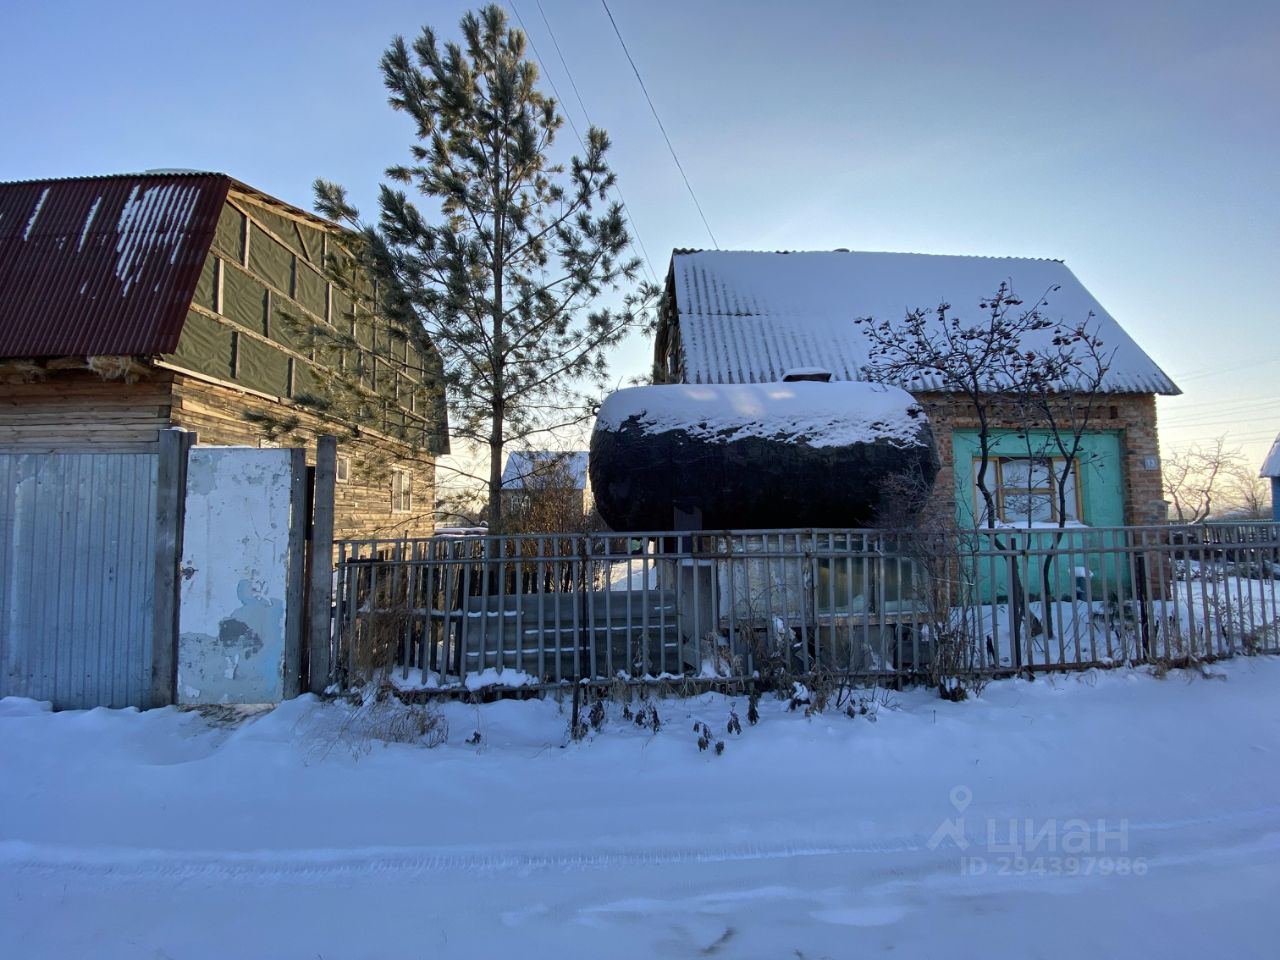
point(77, 411)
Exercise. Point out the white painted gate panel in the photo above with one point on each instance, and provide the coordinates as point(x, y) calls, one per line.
point(240, 594)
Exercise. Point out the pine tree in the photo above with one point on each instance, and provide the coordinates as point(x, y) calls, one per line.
point(501, 268)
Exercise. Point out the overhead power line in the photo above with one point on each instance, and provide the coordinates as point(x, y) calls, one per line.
point(573, 126)
point(645, 89)
point(1231, 368)
point(567, 72)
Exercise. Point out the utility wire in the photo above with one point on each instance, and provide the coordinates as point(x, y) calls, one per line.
point(573, 126)
point(1211, 371)
point(568, 72)
point(653, 274)
point(645, 89)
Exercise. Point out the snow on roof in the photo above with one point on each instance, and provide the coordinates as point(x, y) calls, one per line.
point(526, 464)
point(809, 412)
point(102, 265)
point(746, 317)
point(1271, 465)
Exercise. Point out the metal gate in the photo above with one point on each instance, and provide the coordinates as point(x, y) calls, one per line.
point(77, 577)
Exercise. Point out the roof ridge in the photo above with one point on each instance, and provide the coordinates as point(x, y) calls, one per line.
point(128, 175)
point(686, 251)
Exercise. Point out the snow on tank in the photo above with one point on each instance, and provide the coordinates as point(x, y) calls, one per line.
point(762, 455)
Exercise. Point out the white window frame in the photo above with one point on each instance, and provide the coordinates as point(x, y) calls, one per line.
point(342, 469)
point(401, 490)
point(1000, 488)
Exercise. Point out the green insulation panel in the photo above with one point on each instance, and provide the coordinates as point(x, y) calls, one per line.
point(244, 299)
point(205, 346)
point(262, 367)
point(305, 380)
point(270, 261)
point(228, 238)
point(291, 326)
point(205, 285)
point(306, 242)
point(311, 291)
point(282, 294)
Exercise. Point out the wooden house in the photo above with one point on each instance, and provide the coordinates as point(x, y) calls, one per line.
point(748, 317)
point(134, 303)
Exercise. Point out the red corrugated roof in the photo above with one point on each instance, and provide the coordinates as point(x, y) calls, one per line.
point(103, 265)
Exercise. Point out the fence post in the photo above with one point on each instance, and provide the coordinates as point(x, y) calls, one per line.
point(295, 586)
point(320, 598)
point(171, 489)
point(1144, 604)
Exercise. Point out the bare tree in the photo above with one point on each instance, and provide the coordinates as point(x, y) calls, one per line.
point(1196, 475)
point(1013, 365)
point(548, 498)
point(984, 362)
point(1244, 495)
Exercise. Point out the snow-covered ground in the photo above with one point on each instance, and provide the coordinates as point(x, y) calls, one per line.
point(1113, 814)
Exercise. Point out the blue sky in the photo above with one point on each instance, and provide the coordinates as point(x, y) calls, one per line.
point(1138, 141)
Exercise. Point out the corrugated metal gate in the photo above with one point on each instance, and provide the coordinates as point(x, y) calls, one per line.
point(77, 577)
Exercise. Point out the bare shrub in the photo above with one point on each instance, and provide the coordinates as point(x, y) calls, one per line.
point(719, 658)
point(945, 591)
point(379, 716)
point(373, 641)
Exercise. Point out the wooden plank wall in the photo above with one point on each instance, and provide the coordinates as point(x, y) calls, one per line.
point(78, 411)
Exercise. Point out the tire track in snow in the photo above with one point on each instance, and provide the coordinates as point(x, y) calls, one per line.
point(397, 862)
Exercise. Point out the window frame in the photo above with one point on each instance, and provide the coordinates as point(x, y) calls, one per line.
point(401, 490)
point(1000, 490)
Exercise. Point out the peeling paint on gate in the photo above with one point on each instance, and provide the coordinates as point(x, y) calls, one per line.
point(235, 576)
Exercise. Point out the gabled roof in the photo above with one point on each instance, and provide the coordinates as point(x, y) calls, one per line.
point(526, 465)
point(1271, 465)
point(103, 265)
point(748, 317)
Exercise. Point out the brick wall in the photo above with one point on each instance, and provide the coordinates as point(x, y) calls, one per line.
point(1132, 415)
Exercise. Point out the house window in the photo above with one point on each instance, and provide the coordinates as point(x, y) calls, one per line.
point(401, 491)
point(1025, 489)
point(343, 470)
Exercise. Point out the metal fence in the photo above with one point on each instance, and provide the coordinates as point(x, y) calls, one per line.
point(77, 577)
point(875, 604)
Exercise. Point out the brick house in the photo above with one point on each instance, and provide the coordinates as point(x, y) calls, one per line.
point(134, 303)
point(748, 317)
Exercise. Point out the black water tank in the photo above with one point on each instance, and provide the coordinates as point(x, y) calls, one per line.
point(758, 456)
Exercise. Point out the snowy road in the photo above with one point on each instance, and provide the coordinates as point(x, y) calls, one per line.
point(1113, 815)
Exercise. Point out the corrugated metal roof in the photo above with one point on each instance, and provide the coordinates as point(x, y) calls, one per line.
point(748, 317)
point(103, 265)
point(523, 465)
point(1271, 465)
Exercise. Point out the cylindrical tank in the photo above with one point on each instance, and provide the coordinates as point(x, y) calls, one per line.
point(758, 456)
